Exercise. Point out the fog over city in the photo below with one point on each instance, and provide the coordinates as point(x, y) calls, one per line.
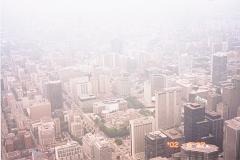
point(91, 25)
point(120, 79)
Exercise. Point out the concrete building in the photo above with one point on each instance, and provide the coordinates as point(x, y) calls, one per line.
point(196, 126)
point(102, 150)
point(197, 150)
point(88, 144)
point(110, 105)
point(212, 100)
point(167, 108)
point(223, 110)
point(156, 82)
point(70, 151)
point(155, 145)
point(231, 141)
point(81, 88)
point(46, 133)
point(216, 128)
point(139, 128)
point(122, 85)
point(40, 110)
point(219, 68)
point(54, 94)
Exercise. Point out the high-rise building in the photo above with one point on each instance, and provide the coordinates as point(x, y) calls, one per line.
point(156, 145)
point(158, 82)
point(167, 108)
point(102, 150)
point(40, 110)
point(219, 68)
point(212, 100)
point(139, 128)
point(231, 141)
point(196, 127)
point(57, 123)
point(122, 86)
point(70, 151)
point(197, 150)
point(88, 144)
point(223, 110)
point(230, 98)
point(54, 94)
point(46, 133)
point(216, 128)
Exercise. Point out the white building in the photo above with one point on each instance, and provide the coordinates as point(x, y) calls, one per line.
point(167, 108)
point(110, 105)
point(46, 133)
point(102, 150)
point(139, 128)
point(157, 82)
point(70, 151)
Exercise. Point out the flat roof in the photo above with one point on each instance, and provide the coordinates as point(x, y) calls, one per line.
point(199, 147)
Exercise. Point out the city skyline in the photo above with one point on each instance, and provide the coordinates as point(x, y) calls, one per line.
point(120, 80)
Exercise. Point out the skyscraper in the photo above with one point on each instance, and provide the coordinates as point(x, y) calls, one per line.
point(219, 68)
point(196, 126)
point(156, 82)
point(102, 150)
point(231, 139)
point(167, 108)
point(216, 128)
point(139, 128)
point(54, 94)
point(156, 145)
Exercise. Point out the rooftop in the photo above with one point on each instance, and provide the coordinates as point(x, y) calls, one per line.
point(194, 105)
point(199, 147)
point(156, 135)
point(234, 123)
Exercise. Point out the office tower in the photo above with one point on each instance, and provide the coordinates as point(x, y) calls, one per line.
point(88, 144)
point(167, 108)
point(54, 94)
point(196, 127)
point(76, 129)
point(70, 151)
point(216, 128)
point(197, 150)
point(46, 133)
point(138, 129)
point(156, 145)
point(102, 150)
point(57, 124)
point(40, 110)
point(184, 64)
point(212, 100)
point(230, 99)
point(156, 82)
point(219, 68)
point(122, 86)
point(231, 141)
point(223, 110)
